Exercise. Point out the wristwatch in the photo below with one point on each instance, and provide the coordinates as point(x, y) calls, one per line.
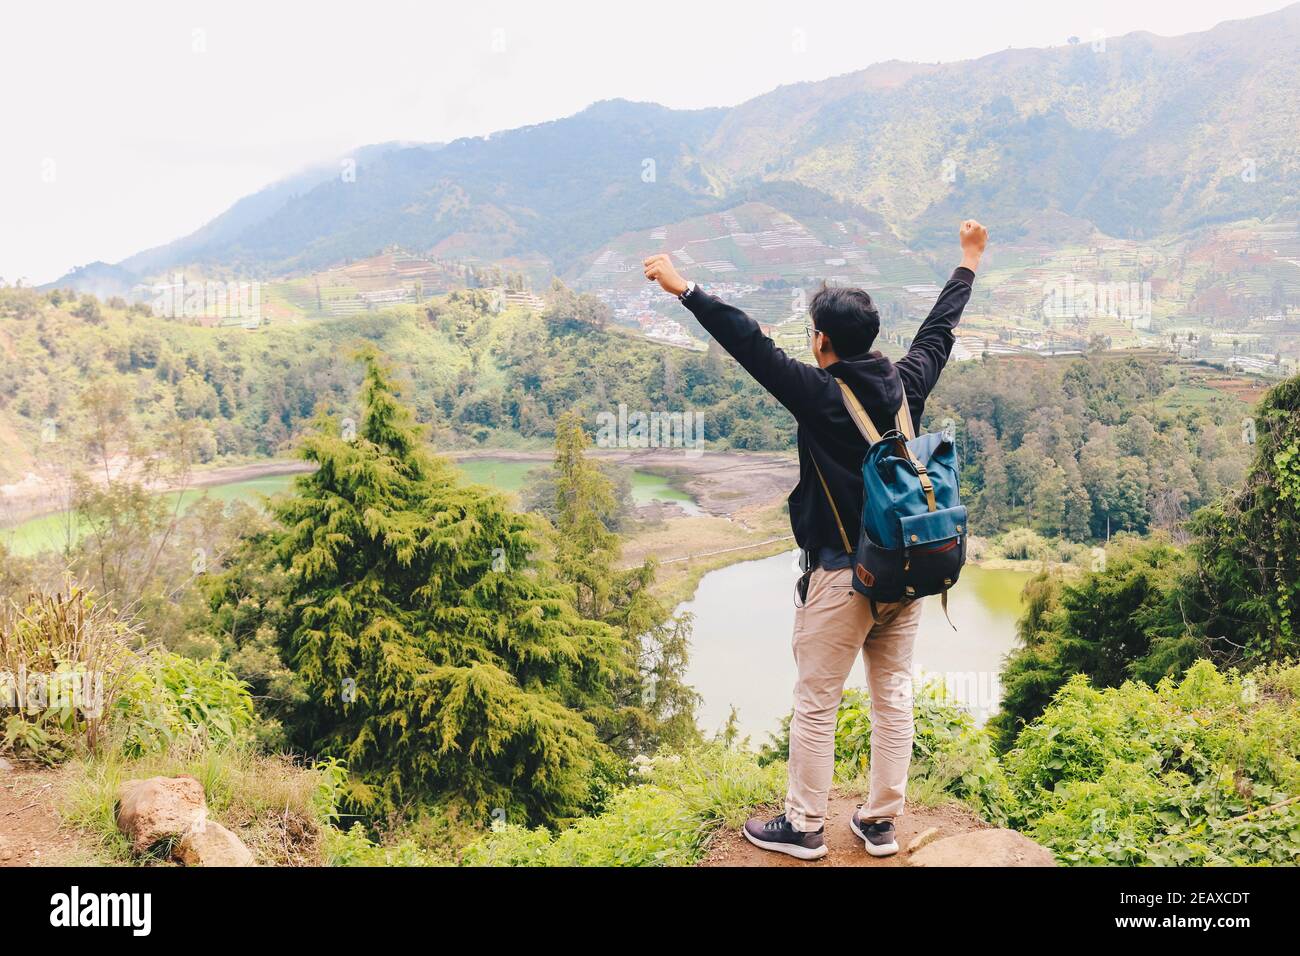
point(690, 287)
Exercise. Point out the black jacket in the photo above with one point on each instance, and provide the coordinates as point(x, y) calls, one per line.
point(811, 394)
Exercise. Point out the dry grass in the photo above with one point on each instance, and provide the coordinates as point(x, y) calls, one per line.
point(274, 804)
point(669, 541)
point(80, 651)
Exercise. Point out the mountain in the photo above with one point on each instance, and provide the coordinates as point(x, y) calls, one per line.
point(211, 242)
point(1135, 137)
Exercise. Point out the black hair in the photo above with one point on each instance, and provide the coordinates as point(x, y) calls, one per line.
point(847, 316)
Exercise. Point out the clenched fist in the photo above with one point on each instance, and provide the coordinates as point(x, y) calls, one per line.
point(659, 268)
point(973, 238)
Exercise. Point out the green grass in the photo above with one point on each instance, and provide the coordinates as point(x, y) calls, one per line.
point(664, 821)
point(647, 487)
point(503, 475)
point(279, 808)
point(52, 532)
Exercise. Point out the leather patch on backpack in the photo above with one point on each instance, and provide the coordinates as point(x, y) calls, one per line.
point(865, 576)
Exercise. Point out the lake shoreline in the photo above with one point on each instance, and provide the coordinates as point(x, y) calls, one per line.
point(15, 514)
point(744, 616)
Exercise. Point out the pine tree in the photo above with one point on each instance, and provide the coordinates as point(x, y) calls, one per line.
point(438, 659)
point(654, 706)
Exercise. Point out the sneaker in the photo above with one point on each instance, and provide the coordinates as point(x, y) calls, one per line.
point(777, 834)
point(878, 836)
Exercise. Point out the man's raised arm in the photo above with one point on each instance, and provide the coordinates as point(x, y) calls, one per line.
point(791, 382)
point(933, 341)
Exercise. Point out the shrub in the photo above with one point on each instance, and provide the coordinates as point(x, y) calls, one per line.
point(665, 821)
point(952, 758)
point(64, 659)
point(1192, 772)
point(352, 847)
point(1108, 624)
point(174, 699)
point(1024, 544)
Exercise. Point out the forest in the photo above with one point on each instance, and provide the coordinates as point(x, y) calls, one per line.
point(1075, 449)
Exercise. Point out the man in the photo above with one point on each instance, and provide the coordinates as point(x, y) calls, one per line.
point(833, 623)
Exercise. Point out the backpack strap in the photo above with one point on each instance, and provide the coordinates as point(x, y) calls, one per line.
point(844, 536)
point(903, 421)
point(859, 414)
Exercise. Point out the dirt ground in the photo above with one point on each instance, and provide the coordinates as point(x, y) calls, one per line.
point(32, 499)
point(730, 848)
point(30, 830)
point(741, 494)
point(721, 482)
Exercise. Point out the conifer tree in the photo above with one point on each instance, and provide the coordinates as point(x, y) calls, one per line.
point(438, 660)
point(654, 706)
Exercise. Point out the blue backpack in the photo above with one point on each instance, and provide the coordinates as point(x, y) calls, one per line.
point(913, 538)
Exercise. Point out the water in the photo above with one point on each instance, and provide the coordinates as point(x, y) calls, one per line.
point(647, 488)
point(744, 618)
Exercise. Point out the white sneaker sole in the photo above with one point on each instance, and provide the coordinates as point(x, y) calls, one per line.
point(789, 849)
point(885, 849)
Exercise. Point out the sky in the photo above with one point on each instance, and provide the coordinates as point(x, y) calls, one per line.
point(130, 124)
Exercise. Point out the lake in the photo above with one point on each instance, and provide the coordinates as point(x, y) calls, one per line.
point(51, 531)
point(744, 618)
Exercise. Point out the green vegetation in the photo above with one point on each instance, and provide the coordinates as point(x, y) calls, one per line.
point(1077, 450)
point(170, 700)
point(1203, 771)
point(664, 821)
point(1083, 450)
point(475, 377)
point(1155, 608)
point(1247, 588)
point(462, 683)
point(433, 655)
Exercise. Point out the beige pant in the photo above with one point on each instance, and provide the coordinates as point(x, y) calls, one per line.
point(832, 627)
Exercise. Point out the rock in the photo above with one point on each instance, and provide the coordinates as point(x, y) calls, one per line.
point(213, 845)
point(5, 765)
point(926, 836)
point(983, 848)
point(159, 808)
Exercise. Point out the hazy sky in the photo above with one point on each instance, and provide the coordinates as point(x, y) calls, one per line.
point(128, 124)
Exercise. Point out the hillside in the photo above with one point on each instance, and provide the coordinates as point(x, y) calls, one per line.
point(1131, 442)
point(1136, 137)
